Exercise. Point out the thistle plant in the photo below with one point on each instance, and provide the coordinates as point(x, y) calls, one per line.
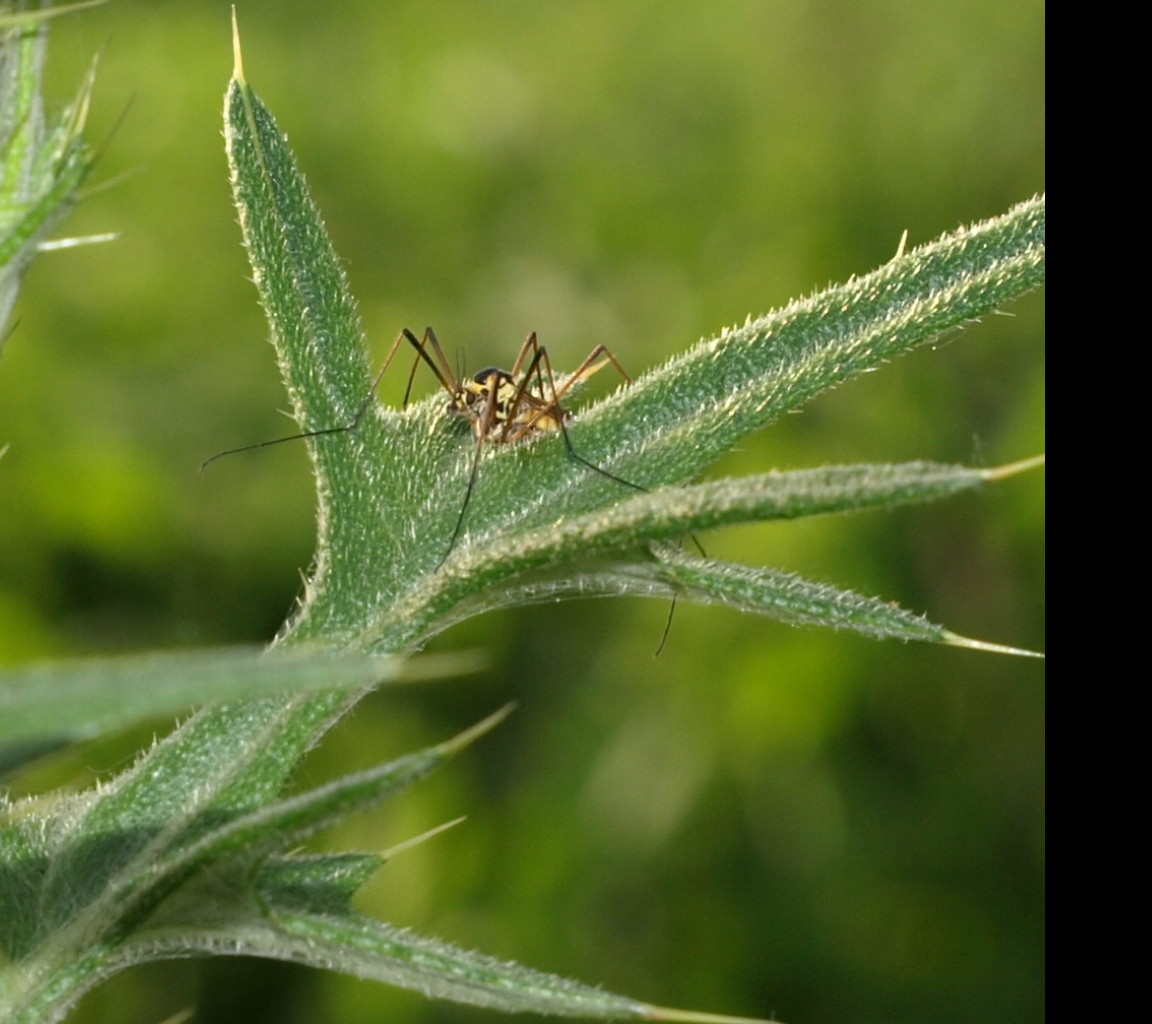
point(189, 851)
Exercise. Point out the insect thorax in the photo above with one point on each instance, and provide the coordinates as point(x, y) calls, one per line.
point(478, 390)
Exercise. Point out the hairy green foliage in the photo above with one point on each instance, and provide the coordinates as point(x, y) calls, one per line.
point(42, 164)
point(189, 851)
point(539, 521)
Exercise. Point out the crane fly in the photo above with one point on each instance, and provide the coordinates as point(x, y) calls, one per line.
point(506, 406)
point(501, 406)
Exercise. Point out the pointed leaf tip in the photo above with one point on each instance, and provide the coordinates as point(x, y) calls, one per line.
point(237, 59)
point(667, 1013)
point(461, 740)
point(1013, 468)
point(392, 851)
point(983, 645)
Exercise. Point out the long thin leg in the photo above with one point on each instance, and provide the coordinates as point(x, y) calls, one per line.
point(586, 369)
point(467, 500)
point(667, 627)
point(411, 379)
point(481, 426)
point(542, 366)
point(443, 371)
point(530, 345)
point(355, 421)
point(443, 374)
point(592, 465)
point(515, 428)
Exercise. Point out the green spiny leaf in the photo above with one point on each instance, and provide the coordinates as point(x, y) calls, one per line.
point(391, 490)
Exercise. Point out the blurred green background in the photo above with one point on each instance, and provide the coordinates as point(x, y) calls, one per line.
point(761, 821)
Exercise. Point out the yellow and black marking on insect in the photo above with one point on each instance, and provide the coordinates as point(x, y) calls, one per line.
point(506, 406)
point(501, 406)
